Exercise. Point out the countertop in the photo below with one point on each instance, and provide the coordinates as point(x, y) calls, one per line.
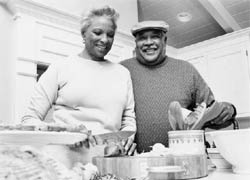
point(228, 174)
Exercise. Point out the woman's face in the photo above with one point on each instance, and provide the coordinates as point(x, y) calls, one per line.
point(99, 37)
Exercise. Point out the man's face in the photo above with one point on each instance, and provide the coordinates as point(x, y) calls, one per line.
point(151, 46)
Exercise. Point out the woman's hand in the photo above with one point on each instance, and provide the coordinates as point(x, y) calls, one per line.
point(88, 142)
point(129, 145)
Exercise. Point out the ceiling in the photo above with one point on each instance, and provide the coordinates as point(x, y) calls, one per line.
point(210, 18)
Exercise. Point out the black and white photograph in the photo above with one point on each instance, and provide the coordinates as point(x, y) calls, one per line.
point(124, 89)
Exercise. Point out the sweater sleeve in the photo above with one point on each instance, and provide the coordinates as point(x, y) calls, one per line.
point(43, 97)
point(128, 117)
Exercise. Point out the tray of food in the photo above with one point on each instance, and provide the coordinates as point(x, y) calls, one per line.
point(40, 135)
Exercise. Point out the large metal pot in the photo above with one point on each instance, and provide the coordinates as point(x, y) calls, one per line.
point(193, 166)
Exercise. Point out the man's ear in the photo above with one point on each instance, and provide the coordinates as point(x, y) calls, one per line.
point(165, 39)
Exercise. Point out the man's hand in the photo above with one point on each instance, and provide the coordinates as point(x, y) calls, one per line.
point(223, 120)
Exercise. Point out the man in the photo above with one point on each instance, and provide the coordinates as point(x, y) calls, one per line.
point(158, 80)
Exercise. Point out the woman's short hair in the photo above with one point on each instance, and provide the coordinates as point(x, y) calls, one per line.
point(99, 12)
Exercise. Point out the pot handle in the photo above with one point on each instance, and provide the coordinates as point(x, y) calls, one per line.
point(235, 123)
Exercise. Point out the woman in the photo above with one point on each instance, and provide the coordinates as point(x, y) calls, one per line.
point(88, 89)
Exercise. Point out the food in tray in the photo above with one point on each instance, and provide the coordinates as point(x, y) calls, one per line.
point(42, 134)
point(51, 127)
point(88, 171)
point(107, 177)
point(26, 163)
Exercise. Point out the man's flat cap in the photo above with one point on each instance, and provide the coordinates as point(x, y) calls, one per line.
point(160, 25)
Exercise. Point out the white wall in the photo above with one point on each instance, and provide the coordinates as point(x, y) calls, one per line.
point(127, 9)
point(7, 65)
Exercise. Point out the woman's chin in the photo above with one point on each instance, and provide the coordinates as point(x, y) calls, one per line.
point(101, 55)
